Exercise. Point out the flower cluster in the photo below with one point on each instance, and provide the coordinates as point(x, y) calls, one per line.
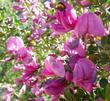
point(58, 72)
point(26, 62)
point(31, 11)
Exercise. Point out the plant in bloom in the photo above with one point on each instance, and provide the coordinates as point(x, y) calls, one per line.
point(72, 67)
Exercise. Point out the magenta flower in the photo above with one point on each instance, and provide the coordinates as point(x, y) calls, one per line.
point(85, 2)
point(71, 44)
point(28, 79)
point(37, 90)
point(24, 55)
point(84, 74)
point(75, 46)
point(69, 76)
point(66, 17)
point(18, 67)
point(73, 60)
point(32, 66)
point(18, 8)
point(24, 16)
point(55, 87)
point(8, 92)
point(58, 28)
point(14, 43)
point(46, 72)
point(20, 1)
point(36, 33)
point(106, 67)
point(28, 67)
point(89, 23)
point(54, 98)
point(53, 66)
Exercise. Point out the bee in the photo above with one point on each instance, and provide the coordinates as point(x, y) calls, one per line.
point(60, 6)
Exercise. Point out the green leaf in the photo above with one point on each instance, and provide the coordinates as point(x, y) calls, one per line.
point(108, 1)
point(107, 93)
point(80, 94)
point(92, 48)
point(68, 96)
point(105, 41)
point(103, 82)
point(100, 92)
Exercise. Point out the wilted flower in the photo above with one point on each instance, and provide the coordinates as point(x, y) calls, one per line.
point(84, 74)
point(89, 23)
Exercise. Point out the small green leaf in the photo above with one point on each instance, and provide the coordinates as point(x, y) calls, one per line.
point(105, 41)
point(100, 92)
point(68, 96)
point(107, 93)
point(103, 82)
